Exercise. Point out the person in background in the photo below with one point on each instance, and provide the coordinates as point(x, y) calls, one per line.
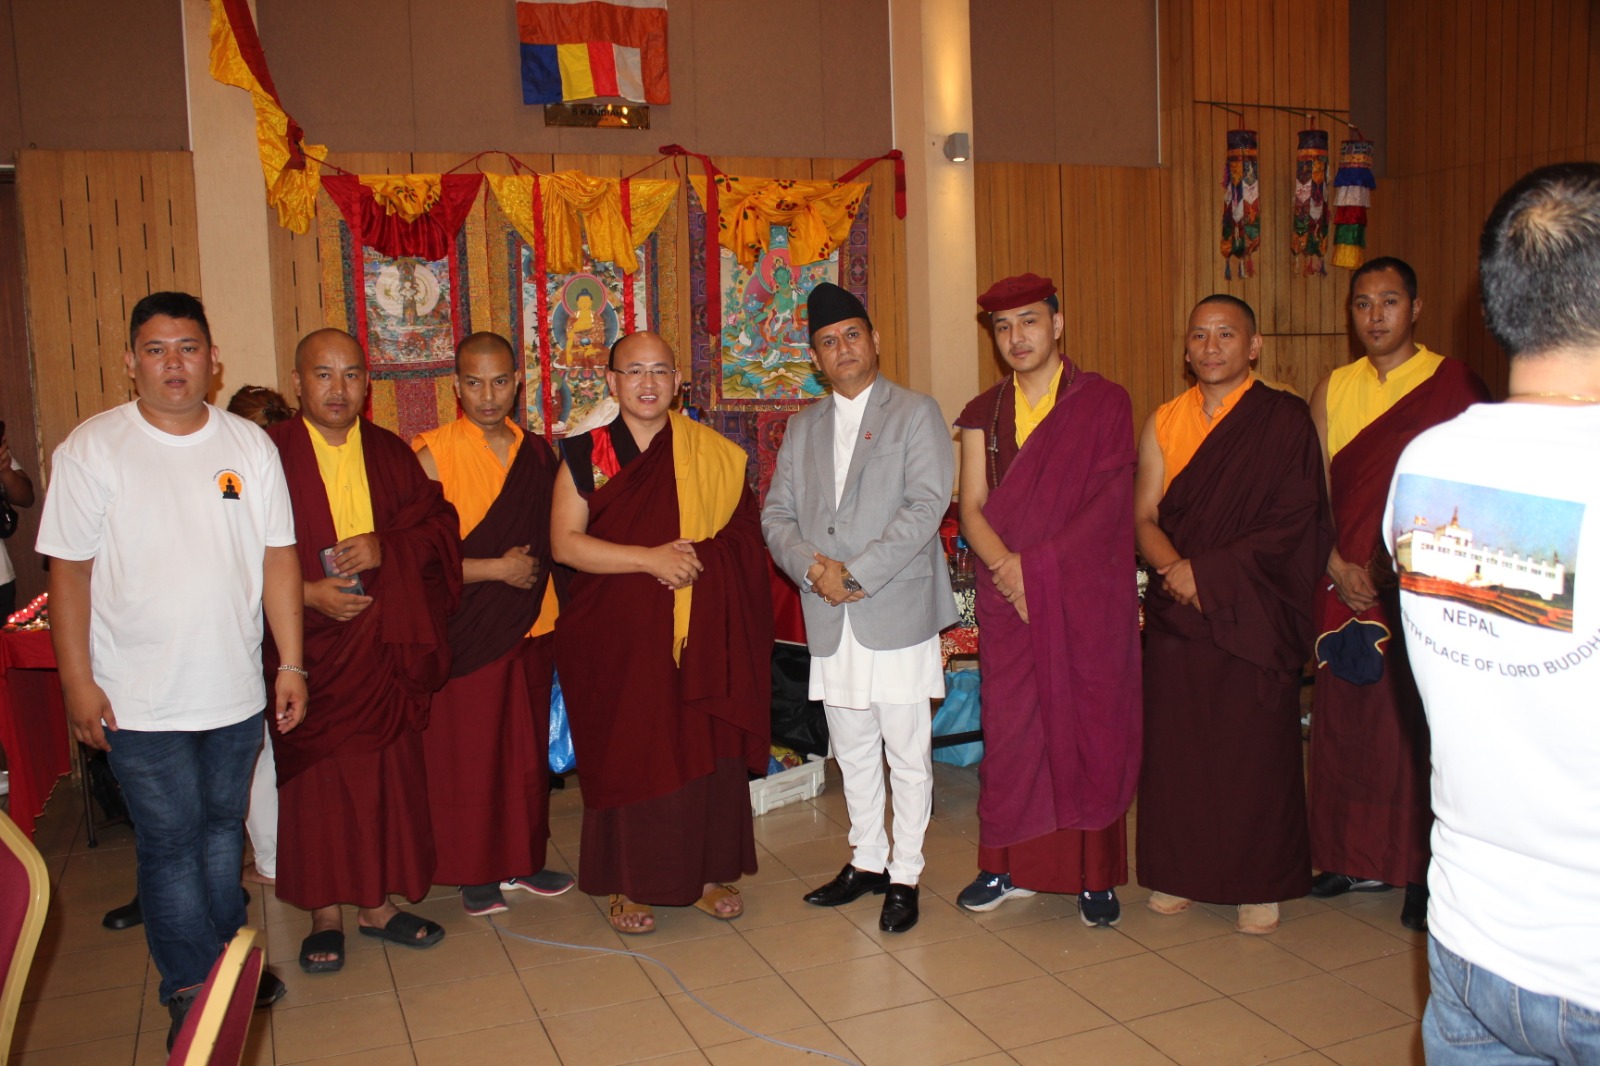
point(18, 491)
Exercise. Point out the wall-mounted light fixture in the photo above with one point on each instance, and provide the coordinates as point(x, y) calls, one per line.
point(958, 147)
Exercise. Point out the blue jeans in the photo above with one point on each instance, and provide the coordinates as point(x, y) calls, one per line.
point(1475, 1018)
point(186, 794)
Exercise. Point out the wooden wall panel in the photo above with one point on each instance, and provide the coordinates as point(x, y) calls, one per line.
point(1521, 88)
point(100, 230)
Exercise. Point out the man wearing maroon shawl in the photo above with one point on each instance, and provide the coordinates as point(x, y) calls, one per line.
point(487, 741)
point(1368, 789)
point(663, 647)
point(1047, 464)
point(1230, 508)
point(380, 558)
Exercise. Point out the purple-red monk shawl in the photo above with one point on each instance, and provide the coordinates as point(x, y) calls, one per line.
point(372, 676)
point(1066, 505)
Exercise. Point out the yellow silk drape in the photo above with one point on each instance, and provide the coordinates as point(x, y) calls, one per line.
point(292, 191)
point(576, 204)
point(817, 214)
point(408, 195)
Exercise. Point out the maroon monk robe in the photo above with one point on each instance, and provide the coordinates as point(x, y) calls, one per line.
point(352, 789)
point(1368, 791)
point(1061, 694)
point(1222, 814)
point(487, 744)
point(663, 748)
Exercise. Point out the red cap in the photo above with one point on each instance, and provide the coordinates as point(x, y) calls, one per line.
point(1018, 291)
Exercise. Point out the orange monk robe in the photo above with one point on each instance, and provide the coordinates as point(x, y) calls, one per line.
point(487, 741)
point(1182, 425)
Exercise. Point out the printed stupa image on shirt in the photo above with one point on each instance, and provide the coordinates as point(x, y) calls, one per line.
point(1506, 552)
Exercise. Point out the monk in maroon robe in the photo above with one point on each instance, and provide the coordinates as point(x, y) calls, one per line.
point(666, 726)
point(352, 789)
point(1369, 805)
point(487, 741)
point(1239, 539)
point(1049, 511)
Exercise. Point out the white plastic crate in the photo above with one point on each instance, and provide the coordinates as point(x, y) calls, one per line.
point(797, 783)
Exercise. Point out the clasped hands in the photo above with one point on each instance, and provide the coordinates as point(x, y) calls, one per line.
point(1179, 583)
point(674, 563)
point(354, 555)
point(1007, 574)
point(827, 580)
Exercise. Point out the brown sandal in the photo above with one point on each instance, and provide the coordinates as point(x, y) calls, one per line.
point(709, 901)
point(620, 906)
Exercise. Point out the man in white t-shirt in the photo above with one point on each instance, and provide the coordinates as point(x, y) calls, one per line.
point(1494, 524)
point(169, 530)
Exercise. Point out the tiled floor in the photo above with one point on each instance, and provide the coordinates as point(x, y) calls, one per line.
point(1027, 983)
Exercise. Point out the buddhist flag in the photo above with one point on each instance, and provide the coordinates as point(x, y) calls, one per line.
point(579, 49)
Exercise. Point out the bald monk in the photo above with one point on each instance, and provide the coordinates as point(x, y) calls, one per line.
point(664, 647)
point(488, 736)
point(1231, 510)
point(352, 790)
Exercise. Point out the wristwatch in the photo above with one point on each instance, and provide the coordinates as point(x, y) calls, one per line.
point(850, 582)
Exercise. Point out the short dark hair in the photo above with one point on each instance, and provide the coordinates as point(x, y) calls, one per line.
point(1408, 277)
point(1232, 301)
point(171, 304)
point(1539, 261)
point(483, 339)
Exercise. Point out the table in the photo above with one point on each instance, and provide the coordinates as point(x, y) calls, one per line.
point(33, 722)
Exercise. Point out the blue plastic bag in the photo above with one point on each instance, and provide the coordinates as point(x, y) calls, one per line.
point(960, 713)
point(562, 758)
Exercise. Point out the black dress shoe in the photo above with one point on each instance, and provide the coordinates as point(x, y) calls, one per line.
point(1414, 913)
point(850, 885)
point(899, 909)
point(124, 917)
point(270, 990)
point(1328, 885)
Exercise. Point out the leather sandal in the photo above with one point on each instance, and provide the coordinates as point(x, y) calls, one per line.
point(621, 905)
point(718, 893)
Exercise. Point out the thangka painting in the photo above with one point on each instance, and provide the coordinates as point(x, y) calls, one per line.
point(568, 320)
point(758, 370)
point(407, 312)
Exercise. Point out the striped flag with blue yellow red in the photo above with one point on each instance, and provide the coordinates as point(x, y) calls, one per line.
point(581, 49)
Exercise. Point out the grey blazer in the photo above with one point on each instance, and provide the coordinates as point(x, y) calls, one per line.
point(886, 526)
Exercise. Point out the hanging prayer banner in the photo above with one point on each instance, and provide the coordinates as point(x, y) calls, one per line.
point(757, 370)
point(582, 49)
point(1352, 196)
point(1241, 204)
point(567, 316)
point(406, 310)
point(1308, 241)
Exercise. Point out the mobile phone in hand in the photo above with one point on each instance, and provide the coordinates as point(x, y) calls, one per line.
point(330, 568)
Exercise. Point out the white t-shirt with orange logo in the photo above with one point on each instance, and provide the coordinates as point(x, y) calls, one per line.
point(178, 529)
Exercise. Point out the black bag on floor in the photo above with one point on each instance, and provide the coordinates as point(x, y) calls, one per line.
point(797, 722)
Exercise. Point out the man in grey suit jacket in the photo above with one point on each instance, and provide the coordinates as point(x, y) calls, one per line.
point(862, 482)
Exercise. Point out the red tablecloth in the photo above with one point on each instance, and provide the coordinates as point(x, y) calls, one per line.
point(33, 722)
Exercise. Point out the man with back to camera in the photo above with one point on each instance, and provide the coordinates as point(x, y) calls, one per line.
point(168, 526)
point(488, 735)
point(863, 480)
point(1368, 778)
point(1503, 641)
point(1047, 463)
point(1231, 510)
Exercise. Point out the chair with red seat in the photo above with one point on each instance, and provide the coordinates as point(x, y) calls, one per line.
point(24, 898)
point(214, 1032)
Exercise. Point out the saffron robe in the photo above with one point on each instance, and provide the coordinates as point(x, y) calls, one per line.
point(487, 744)
point(1222, 814)
point(663, 747)
point(353, 823)
point(1061, 693)
point(1368, 790)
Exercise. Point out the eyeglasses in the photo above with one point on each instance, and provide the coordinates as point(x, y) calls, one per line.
point(639, 373)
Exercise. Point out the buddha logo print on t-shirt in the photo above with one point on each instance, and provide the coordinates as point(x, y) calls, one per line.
point(230, 484)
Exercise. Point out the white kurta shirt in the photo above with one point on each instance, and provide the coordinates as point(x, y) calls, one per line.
point(855, 676)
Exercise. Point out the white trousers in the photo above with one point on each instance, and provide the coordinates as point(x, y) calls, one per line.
point(902, 733)
point(261, 821)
